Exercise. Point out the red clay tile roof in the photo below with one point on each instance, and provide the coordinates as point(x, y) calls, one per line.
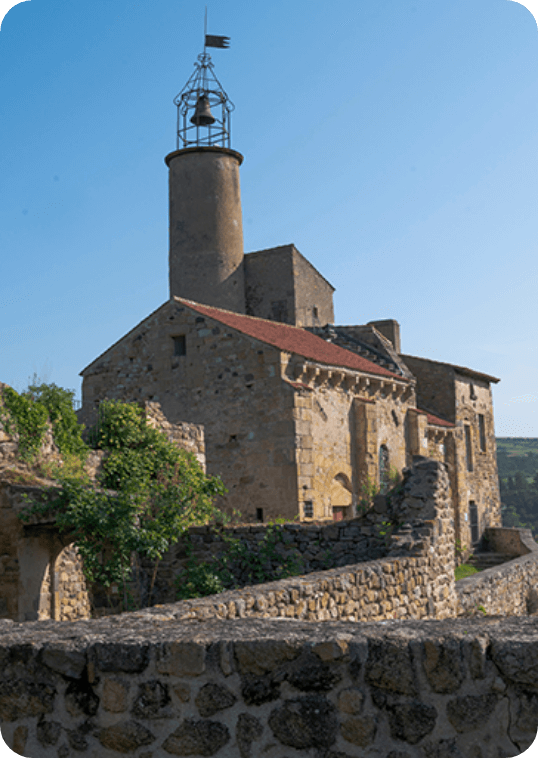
point(291, 339)
point(438, 421)
point(434, 419)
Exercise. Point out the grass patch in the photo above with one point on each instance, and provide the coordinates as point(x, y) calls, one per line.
point(464, 571)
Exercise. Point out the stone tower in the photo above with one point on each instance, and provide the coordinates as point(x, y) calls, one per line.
point(206, 227)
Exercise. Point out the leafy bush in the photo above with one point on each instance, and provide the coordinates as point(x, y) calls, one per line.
point(27, 418)
point(149, 493)
point(29, 413)
point(66, 430)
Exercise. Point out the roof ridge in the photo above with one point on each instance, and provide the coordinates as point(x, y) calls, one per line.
point(292, 339)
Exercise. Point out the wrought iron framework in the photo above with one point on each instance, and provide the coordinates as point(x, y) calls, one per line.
point(203, 82)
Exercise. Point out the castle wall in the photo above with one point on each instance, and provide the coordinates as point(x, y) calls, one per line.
point(414, 580)
point(313, 547)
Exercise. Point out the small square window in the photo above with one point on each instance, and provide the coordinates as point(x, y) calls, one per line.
point(180, 345)
point(308, 509)
point(259, 514)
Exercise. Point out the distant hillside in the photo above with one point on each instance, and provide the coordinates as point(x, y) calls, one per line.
point(517, 460)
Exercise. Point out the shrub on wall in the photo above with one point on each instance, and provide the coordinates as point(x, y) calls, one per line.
point(28, 415)
point(148, 494)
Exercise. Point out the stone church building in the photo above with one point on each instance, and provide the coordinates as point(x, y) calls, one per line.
point(301, 416)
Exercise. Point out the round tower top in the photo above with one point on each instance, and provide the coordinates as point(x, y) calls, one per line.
point(204, 149)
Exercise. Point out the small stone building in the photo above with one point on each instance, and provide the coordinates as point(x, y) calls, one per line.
point(302, 417)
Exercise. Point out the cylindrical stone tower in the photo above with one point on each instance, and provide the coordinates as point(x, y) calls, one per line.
point(206, 228)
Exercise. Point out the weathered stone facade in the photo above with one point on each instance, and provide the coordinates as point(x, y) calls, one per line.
point(281, 285)
point(290, 434)
point(464, 398)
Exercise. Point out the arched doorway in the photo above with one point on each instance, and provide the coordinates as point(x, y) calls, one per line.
point(341, 497)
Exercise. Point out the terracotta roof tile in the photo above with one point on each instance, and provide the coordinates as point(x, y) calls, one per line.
point(291, 339)
point(436, 420)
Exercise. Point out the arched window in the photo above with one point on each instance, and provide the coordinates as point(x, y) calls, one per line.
point(384, 469)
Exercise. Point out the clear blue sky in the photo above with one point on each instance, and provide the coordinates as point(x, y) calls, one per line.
point(395, 142)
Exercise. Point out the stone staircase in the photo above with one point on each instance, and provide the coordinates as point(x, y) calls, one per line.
point(482, 560)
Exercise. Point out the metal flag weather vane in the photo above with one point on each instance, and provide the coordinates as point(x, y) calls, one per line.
point(211, 40)
point(203, 92)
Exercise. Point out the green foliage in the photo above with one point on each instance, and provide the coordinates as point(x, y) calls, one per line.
point(66, 430)
point(517, 460)
point(26, 417)
point(369, 488)
point(464, 570)
point(198, 580)
point(256, 565)
point(148, 495)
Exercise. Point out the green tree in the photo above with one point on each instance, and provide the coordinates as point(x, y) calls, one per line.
point(149, 493)
point(520, 481)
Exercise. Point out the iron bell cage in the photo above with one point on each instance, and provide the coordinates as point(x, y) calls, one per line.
point(203, 109)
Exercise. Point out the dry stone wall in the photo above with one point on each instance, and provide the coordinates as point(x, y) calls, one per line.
point(414, 580)
point(510, 589)
point(312, 547)
point(146, 687)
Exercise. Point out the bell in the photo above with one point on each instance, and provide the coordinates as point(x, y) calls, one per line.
point(202, 113)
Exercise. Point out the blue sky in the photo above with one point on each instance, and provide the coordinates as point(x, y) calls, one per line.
point(395, 142)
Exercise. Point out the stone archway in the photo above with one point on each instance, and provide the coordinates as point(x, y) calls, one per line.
point(341, 497)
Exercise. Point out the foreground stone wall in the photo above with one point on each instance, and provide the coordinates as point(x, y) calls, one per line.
point(145, 687)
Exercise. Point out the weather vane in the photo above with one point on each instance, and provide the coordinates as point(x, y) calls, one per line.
point(196, 124)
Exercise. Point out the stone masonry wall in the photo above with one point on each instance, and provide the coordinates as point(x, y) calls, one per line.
point(314, 547)
point(414, 580)
point(318, 547)
point(146, 687)
point(510, 589)
point(227, 382)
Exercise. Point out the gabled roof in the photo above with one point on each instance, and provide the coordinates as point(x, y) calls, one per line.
point(291, 339)
point(458, 369)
